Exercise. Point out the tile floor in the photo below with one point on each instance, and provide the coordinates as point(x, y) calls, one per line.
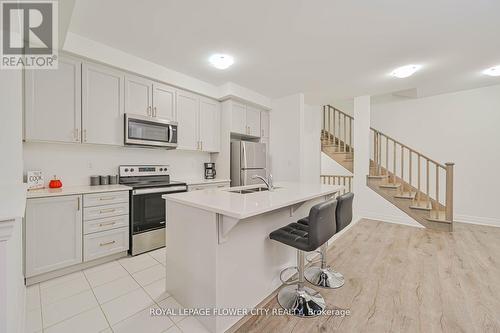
point(113, 297)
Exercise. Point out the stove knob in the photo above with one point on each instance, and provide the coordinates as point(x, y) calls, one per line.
point(161, 169)
point(132, 170)
point(126, 169)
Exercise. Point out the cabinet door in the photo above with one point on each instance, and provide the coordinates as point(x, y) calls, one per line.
point(102, 104)
point(253, 121)
point(264, 124)
point(53, 102)
point(53, 233)
point(163, 101)
point(209, 125)
point(238, 123)
point(138, 96)
point(187, 116)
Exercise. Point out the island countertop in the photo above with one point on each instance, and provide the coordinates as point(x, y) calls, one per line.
point(241, 206)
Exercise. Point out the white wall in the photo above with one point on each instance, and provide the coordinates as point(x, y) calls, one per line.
point(460, 127)
point(310, 169)
point(12, 288)
point(285, 144)
point(330, 167)
point(367, 203)
point(295, 144)
point(75, 163)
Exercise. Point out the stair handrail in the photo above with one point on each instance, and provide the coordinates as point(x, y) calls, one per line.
point(447, 167)
point(344, 180)
point(335, 127)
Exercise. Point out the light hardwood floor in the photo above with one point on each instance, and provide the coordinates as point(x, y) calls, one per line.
point(405, 279)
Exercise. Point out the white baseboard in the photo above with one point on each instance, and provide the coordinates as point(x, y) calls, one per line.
point(390, 218)
point(481, 220)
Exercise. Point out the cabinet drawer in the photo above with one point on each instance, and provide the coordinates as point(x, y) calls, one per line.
point(205, 186)
point(104, 243)
point(108, 223)
point(99, 199)
point(99, 212)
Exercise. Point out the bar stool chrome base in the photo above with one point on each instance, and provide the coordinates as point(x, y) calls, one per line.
point(302, 303)
point(324, 277)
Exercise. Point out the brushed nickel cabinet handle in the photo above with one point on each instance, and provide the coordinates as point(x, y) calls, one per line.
point(85, 135)
point(107, 198)
point(108, 243)
point(155, 114)
point(78, 203)
point(110, 210)
point(106, 224)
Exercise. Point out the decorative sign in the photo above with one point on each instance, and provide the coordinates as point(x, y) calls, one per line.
point(35, 180)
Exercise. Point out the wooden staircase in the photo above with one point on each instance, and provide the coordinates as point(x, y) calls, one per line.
point(413, 182)
point(416, 184)
point(336, 137)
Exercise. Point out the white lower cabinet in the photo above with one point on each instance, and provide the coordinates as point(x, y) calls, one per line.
point(101, 244)
point(53, 233)
point(63, 231)
point(105, 224)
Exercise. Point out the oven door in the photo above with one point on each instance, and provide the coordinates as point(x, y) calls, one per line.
point(148, 208)
point(147, 131)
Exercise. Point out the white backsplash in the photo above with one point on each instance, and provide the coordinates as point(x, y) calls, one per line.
point(75, 163)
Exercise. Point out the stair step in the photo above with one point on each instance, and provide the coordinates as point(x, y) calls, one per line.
point(421, 206)
point(438, 216)
point(390, 186)
point(406, 195)
point(377, 176)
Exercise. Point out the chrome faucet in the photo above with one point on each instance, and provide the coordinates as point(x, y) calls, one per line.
point(268, 181)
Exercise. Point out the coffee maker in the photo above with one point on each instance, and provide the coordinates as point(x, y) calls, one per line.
point(210, 171)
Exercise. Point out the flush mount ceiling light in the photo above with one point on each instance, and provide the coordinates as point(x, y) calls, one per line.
point(405, 71)
point(493, 71)
point(221, 61)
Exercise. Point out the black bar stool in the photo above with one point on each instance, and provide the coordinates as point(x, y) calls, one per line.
point(324, 276)
point(295, 297)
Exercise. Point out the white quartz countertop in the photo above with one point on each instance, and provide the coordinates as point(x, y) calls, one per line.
point(12, 201)
point(72, 190)
point(241, 206)
point(202, 181)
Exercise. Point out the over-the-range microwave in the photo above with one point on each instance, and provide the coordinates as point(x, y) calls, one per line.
point(150, 132)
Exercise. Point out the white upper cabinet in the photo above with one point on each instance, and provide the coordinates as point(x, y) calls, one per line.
point(245, 119)
point(138, 96)
point(53, 233)
point(102, 104)
point(253, 121)
point(53, 102)
point(209, 125)
point(187, 116)
point(163, 101)
point(264, 124)
point(239, 118)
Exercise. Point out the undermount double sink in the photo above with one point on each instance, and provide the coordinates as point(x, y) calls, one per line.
point(251, 190)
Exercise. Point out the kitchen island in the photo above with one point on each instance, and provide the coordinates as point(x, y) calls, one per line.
point(219, 255)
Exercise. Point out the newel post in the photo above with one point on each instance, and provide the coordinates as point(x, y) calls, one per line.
point(449, 191)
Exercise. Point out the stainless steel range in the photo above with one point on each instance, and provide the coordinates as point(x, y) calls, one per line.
point(147, 208)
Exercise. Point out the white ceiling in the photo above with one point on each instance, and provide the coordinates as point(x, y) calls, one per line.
point(329, 49)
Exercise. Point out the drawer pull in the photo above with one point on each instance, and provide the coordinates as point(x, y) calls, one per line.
point(108, 243)
point(107, 198)
point(110, 210)
point(105, 224)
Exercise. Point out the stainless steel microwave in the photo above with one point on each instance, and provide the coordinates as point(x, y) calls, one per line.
point(148, 131)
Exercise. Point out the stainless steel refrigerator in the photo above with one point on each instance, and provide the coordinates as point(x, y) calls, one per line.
point(247, 160)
